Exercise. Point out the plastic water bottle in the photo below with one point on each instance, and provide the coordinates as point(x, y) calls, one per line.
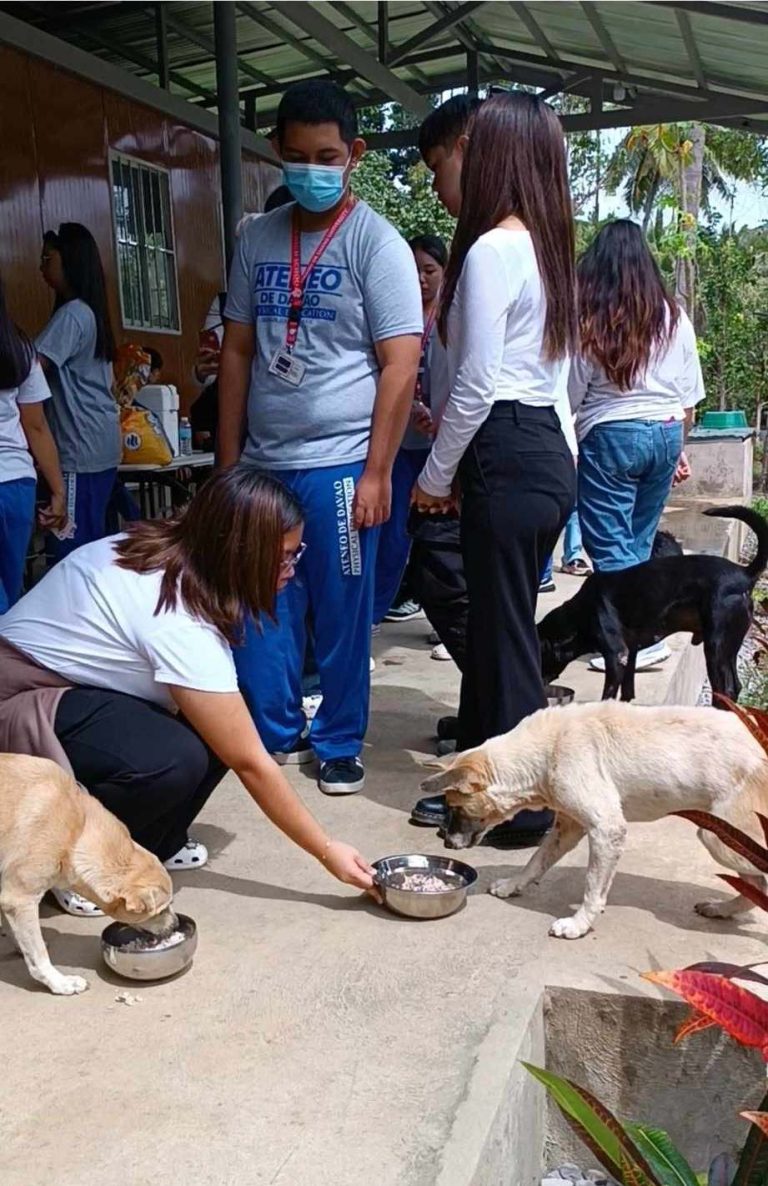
point(185, 437)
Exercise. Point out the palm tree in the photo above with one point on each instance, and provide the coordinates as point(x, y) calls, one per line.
point(691, 163)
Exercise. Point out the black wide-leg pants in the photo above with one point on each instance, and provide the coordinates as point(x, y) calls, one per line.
point(147, 766)
point(518, 484)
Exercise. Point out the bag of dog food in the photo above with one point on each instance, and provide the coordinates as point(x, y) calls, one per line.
point(144, 440)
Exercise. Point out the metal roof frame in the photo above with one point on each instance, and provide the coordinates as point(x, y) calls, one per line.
point(633, 61)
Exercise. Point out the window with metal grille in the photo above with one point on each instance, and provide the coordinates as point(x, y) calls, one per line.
point(146, 256)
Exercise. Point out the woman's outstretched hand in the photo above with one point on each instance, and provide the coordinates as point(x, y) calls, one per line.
point(346, 863)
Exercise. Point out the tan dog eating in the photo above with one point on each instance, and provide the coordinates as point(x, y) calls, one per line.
point(53, 834)
point(599, 767)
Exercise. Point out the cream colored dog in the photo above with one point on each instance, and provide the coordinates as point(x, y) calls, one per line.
point(53, 834)
point(600, 766)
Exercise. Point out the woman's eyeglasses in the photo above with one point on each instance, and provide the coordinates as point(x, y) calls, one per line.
point(292, 559)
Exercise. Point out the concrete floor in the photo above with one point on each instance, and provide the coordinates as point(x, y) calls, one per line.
point(318, 1041)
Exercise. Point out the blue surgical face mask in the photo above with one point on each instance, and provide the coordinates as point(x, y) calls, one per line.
point(316, 188)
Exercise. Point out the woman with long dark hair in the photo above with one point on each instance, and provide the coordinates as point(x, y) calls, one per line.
point(633, 384)
point(25, 438)
point(508, 318)
point(77, 350)
point(118, 666)
point(431, 256)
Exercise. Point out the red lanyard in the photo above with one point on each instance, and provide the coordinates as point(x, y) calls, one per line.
point(424, 343)
point(299, 278)
point(428, 327)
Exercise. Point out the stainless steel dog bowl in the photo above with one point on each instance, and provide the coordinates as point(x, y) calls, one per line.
point(558, 695)
point(163, 958)
point(421, 903)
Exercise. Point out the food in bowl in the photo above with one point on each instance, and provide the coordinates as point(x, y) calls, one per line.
point(425, 883)
point(144, 941)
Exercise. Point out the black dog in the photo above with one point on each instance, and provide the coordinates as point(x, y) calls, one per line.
point(618, 613)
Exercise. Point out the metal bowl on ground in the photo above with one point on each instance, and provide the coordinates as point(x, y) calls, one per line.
point(419, 903)
point(558, 695)
point(139, 955)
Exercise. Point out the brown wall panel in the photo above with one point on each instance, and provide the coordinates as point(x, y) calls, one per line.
point(20, 223)
point(56, 131)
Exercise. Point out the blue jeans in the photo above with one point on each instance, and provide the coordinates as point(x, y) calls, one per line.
point(334, 584)
point(394, 541)
point(17, 517)
point(625, 475)
point(572, 544)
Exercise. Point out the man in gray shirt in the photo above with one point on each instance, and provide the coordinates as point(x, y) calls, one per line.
point(321, 349)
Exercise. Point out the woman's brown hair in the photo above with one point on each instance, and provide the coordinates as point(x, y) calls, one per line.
point(625, 312)
point(221, 555)
point(514, 164)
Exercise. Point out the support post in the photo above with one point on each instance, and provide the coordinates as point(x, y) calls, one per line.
point(161, 33)
point(473, 73)
point(228, 101)
point(250, 110)
point(383, 31)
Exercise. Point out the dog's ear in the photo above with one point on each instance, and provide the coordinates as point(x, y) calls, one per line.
point(467, 774)
point(144, 900)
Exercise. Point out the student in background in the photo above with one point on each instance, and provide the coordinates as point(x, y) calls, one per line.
point(204, 412)
point(77, 350)
point(633, 386)
point(318, 368)
point(156, 365)
point(25, 438)
point(508, 317)
point(431, 256)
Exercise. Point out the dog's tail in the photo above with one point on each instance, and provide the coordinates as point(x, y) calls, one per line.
point(760, 527)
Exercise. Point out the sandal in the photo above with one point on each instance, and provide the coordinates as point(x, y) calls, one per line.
point(576, 568)
point(192, 855)
point(73, 903)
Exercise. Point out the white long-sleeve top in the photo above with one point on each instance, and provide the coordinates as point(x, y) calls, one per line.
point(671, 384)
point(495, 340)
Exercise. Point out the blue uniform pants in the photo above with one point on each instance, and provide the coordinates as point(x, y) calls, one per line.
point(334, 584)
point(17, 517)
point(88, 497)
point(394, 542)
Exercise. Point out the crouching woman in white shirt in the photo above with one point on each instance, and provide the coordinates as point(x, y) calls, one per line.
point(508, 319)
point(128, 641)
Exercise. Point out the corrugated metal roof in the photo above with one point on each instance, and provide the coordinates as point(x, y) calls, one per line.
point(694, 60)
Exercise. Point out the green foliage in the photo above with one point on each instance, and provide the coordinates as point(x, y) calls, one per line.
point(410, 204)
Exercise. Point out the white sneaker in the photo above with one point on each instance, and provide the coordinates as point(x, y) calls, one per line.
point(75, 904)
point(372, 667)
point(440, 652)
point(192, 855)
point(648, 657)
point(310, 704)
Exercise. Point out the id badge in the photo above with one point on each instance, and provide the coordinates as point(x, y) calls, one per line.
point(286, 367)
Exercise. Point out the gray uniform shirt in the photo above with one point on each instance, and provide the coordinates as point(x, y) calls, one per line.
point(363, 290)
point(83, 416)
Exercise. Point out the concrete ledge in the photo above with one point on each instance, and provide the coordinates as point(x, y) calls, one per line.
point(497, 1135)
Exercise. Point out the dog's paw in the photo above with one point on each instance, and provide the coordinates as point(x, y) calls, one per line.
point(505, 888)
point(67, 986)
point(717, 909)
point(569, 928)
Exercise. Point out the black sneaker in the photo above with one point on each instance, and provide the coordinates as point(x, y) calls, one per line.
point(341, 776)
point(431, 812)
point(300, 755)
point(547, 586)
point(447, 728)
point(403, 612)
